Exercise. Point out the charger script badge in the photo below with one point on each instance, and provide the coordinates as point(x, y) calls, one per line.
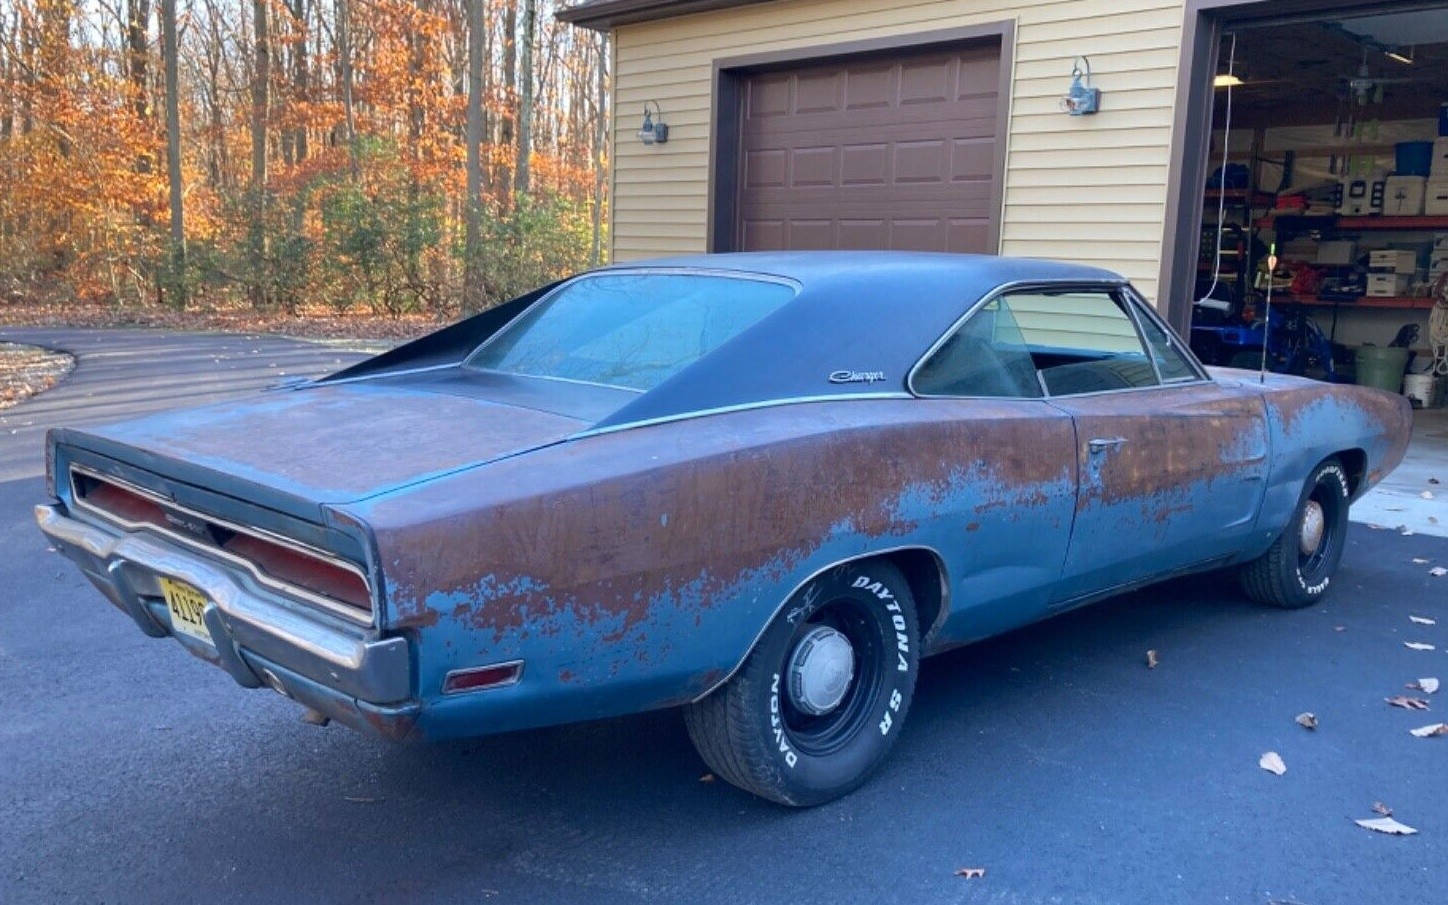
point(857, 376)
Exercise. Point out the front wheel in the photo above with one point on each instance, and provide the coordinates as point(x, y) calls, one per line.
point(1297, 569)
point(818, 703)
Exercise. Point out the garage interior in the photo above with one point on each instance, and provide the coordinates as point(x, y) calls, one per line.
point(1329, 146)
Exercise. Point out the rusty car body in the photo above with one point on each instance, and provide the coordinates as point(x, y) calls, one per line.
point(760, 486)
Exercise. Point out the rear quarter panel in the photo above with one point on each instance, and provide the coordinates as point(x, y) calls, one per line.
point(634, 569)
point(1310, 421)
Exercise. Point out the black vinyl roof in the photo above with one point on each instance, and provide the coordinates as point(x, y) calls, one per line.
point(855, 313)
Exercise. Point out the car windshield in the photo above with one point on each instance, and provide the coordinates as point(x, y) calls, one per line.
point(631, 330)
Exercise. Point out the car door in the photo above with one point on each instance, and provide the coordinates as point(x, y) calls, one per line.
point(1015, 453)
point(1171, 466)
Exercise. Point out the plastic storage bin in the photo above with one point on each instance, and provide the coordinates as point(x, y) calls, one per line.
point(1381, 367)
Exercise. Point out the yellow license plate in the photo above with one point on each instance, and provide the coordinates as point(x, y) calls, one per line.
point(187, 606)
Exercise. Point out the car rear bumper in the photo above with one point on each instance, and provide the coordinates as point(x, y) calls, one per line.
point(258, 638)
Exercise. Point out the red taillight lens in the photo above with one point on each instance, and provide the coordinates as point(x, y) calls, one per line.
point(277, 561)
point(480, 677)
point(295, 567)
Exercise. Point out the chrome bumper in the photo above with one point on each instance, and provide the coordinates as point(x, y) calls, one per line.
point(360, 681)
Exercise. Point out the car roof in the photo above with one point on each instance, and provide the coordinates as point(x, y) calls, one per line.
point(866, 312)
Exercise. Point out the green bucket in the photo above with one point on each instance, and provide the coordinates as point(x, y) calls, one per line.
point(1381, 367)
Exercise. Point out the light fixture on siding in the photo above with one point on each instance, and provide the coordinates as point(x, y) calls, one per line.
point(1081, 98)
point(654, 130)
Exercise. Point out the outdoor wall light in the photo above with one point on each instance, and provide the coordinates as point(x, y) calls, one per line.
point(654, 131)
point(1082, 99)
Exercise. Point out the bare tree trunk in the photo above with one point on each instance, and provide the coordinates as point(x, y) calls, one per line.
point(138, 24)
point(473, 292)
point(522, 176)
point(169, 61)
point(510, 88)
point(301, 75)
point(344, 75)
point(260, 102)
point(601, 131)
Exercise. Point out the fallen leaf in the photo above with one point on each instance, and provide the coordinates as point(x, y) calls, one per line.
point(1151, 660)
point(1430, 731)
point(707, 777)
point(1438, 571)
point(1380, 808)
point(1272, 763)
point(1417, 645)
point(971, 873)
point(1425, 685)
point(1423, 620)
point(1307, 720)
point(1386, 825)
point(1407, 703)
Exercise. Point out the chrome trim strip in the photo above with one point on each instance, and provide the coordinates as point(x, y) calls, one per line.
point(332, 606)
point(729, 409)
point(939, 617)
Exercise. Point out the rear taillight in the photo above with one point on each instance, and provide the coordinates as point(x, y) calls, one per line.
point(301, 569)
point(292, 567)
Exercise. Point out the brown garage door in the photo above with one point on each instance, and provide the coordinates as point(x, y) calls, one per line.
point(885, 152)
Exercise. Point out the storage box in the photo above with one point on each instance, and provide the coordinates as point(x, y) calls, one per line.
point(1360, 196)
point(1438, 167)
point(1336, 253)
point(1403, 196)
point(1387, 284)
point(1435, 197)
point(1393, 260)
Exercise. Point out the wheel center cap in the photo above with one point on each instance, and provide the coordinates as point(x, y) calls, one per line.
point(820, 670)
point(1313, 524)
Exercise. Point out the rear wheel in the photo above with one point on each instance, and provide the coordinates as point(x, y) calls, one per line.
point(818, 703)
point(1297, 569)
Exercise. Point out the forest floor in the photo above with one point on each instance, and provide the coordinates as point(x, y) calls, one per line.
point(26, 370)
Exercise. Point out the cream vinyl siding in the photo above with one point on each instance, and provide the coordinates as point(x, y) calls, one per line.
point(1088, 188)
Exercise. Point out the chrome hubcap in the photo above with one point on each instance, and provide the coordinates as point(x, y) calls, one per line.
point(1313, 524)
point(820, 670)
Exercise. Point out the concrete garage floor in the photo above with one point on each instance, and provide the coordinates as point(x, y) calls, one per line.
point(1398, 502)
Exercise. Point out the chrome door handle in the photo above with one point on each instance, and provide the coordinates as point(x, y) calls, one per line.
point(1102, 444)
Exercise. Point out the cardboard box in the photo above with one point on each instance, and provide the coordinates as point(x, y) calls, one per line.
point(1393, 260)
point(1403, 196)
point(1337, 252)
point(1435, 197)
point(1387, 284)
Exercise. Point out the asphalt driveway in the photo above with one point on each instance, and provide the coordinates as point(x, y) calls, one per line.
point(1053, 757)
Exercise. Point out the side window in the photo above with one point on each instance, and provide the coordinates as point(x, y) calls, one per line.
point(1173, 365)
point(985, 356)
point(1082, 341)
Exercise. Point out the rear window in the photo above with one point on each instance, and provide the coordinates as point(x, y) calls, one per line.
point(630, 330)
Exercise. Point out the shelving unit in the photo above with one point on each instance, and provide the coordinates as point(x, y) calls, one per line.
point(1238, 262)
